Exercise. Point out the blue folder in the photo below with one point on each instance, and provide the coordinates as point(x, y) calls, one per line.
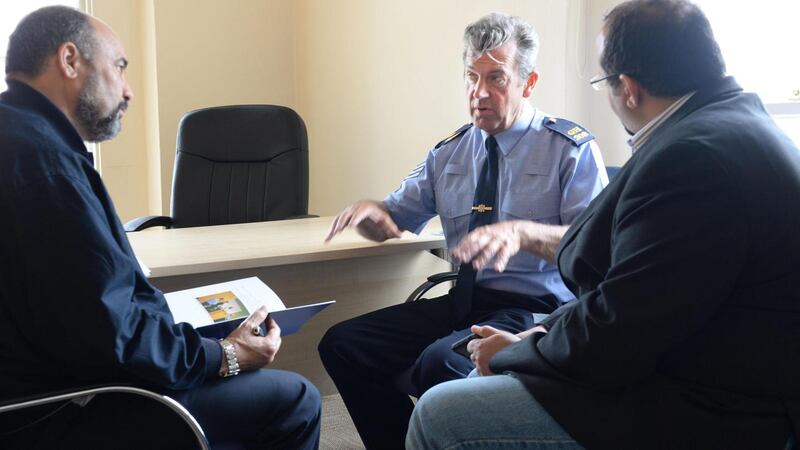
point(290, 320)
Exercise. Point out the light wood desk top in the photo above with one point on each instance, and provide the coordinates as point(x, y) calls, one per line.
point(263, 244)
point(291, 257)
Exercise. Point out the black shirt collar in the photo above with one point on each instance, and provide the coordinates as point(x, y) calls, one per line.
point(21, 95)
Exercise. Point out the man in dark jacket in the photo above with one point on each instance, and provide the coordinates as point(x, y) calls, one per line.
point(684, 333)
point(75, 308)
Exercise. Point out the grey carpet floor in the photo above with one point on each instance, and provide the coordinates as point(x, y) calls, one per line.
point(337, 430)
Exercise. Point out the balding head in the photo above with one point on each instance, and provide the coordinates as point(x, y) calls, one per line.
point(40, 34)
point(78, 63)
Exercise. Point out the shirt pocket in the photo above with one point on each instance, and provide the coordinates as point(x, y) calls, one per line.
point(542, 207)
point(455, 208)
point(537, 178)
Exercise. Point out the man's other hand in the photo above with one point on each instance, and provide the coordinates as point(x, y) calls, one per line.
point(255, 352)
point(482, 350)
point(498, 241)
point(370, 218)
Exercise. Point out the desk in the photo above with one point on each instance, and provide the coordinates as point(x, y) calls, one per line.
point(290, 256)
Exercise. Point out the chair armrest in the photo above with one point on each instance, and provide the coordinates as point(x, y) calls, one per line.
point(442, 277)
point(144, 222)
point(432, 281)
point(90, 391)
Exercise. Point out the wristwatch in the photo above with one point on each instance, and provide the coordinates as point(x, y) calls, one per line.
point(232, 367)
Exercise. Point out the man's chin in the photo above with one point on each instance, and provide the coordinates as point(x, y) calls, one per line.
point(106, 132)
point(488, 126)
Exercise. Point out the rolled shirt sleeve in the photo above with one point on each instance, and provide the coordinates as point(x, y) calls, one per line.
point(413, 204)
point(583, 175)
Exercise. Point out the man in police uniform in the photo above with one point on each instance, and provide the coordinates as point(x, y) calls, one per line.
point(547, 171)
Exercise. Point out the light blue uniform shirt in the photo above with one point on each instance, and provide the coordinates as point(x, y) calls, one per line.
point(543, 177)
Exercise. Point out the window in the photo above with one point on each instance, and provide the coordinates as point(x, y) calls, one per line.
point(759, 43)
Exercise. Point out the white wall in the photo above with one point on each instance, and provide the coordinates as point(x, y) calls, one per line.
point(378, 83)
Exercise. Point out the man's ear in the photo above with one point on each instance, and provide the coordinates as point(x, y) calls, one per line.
point(530, 83)
point(631, 91)
point(69, 60)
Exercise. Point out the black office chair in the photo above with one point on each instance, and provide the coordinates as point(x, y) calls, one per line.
point(443, 277)
point(236, 164)
point(181, 415)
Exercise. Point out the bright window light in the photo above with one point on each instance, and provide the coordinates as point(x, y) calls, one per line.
point(760, 45)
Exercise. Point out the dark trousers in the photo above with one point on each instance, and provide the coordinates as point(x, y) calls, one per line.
point(262, 409)
point(364, 356)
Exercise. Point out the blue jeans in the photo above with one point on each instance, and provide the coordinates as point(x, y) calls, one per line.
point(484, 412)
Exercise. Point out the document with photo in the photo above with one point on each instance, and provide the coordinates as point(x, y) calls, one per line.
point(216, 310)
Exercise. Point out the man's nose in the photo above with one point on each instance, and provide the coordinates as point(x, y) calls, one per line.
point(479, 90)
point(127, 92)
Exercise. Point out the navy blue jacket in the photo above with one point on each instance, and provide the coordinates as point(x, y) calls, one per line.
point(75, 307)
point(686, 329)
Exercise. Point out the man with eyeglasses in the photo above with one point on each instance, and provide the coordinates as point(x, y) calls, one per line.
point(515, 166)
point(684, 333)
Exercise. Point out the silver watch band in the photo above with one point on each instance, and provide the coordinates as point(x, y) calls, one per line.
point(232, 367)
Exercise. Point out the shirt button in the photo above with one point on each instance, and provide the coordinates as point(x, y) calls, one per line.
point(530, 213)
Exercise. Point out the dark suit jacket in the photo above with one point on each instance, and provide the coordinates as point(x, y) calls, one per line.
point(686, 331)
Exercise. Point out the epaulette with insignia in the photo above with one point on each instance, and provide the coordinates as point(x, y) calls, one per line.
point(570, 130)
point(458, 133)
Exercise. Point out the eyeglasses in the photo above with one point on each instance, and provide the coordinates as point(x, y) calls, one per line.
point(600, 82)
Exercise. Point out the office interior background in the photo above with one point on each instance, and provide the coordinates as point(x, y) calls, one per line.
point(377, 82)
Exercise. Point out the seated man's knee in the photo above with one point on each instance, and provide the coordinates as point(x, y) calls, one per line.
point(310, 404)
point(428, 420)
point(439, 363)
point(294, 420)
point(334, 342)
point(301, 399)
point(432, 403)
point(309, 398)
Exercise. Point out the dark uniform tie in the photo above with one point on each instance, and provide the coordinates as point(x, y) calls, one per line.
point(484, 212)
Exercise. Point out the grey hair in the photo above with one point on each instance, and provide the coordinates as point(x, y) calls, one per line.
point(39, 35)
point(495, 29)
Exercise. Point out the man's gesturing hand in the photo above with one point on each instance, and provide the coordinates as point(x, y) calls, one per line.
point(370, 218)
point(499, 241)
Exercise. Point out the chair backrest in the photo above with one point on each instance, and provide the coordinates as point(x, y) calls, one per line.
point(243, 163)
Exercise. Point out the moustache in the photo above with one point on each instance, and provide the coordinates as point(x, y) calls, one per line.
point(115, 115)
point(122, 107)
